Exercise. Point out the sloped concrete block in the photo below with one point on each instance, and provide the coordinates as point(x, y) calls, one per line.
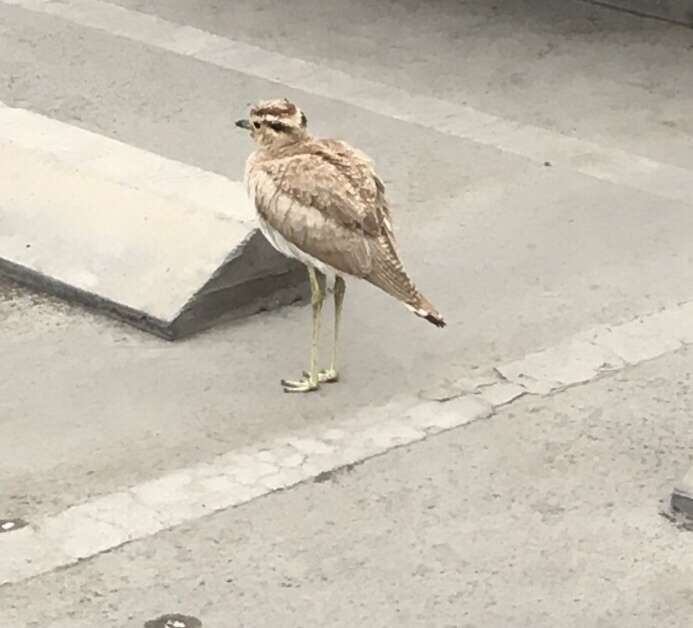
point(165, 246)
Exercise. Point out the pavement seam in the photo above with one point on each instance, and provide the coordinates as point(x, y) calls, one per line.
point(604, 4)
point(246, 474)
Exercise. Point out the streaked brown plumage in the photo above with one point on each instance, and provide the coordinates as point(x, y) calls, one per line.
point(321, 201)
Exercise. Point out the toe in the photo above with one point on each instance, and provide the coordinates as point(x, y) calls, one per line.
point(303, 385)
point(328, 376)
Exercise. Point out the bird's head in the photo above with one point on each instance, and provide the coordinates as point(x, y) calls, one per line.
point(275, 123)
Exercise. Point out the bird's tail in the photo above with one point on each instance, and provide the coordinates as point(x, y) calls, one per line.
point(422, 307)
point(389, 275)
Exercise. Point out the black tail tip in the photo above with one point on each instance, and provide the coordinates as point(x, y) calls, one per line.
point(435, 319)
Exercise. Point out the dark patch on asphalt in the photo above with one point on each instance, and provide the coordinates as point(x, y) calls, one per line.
point(10, 525)
point(681, 520)
point(175, 620)
point(333, 473)
point(9, 290)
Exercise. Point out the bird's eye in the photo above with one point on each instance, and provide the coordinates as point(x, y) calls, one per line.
point(256, 125)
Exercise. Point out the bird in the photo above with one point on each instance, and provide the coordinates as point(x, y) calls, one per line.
point(320, 201)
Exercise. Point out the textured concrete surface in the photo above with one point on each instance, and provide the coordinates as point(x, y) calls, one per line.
point(519, 256)
point(244, 474)
point(545, 515)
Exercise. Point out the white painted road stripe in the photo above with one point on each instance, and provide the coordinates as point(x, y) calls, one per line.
point(240, 476)
point(532, 142)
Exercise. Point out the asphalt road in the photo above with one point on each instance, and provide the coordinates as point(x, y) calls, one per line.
point(518, 255)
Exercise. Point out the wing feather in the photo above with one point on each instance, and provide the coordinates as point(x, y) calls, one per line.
point(317, 230)
point(325, 199)
point(328, 202)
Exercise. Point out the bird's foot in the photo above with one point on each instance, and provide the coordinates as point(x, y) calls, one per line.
point(303, 385)
point(326, 376)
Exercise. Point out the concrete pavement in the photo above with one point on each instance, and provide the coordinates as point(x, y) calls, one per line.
point(518, 255)
point(545, 515)
point(241, 475)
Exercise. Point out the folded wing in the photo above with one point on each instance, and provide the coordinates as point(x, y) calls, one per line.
point(330, 204)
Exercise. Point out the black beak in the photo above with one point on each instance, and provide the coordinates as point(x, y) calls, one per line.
point(243, 124)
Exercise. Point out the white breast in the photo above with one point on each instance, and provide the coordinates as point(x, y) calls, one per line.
point(276, 239)
point(279, 242)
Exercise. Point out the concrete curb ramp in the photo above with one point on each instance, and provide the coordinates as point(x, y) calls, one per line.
point(165, 246)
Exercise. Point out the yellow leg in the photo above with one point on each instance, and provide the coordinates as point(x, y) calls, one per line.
point(330, 375)
point(311, 379)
